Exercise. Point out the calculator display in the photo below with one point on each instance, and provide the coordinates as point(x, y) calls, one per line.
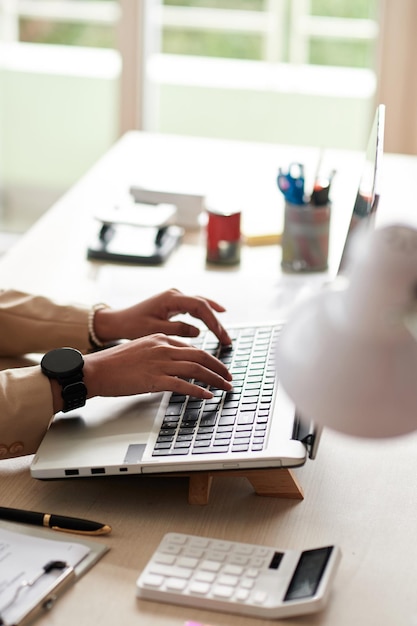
point(308, 573)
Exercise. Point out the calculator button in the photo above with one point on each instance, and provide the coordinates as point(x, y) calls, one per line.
point(222, 592)
point(205, 577)
point(171, 549)
point(176, 584)
point(244, 549)
point(238, 559)
point(198, 542)
point(241, 595)
point(210, 566)
point(252, 572)
point(221, 545)
point(168, 559)
point(259, 597)
point(247, 583)
point(257, 562)
point(153, 580)
point(199, 588)
point(170, 570)
point(233, 570)
point(230, 581)
point(193, 552)
point(217, 555)
point(177, 538)
point(185, 561)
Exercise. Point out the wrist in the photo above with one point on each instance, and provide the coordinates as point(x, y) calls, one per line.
point(98, 327)
point(94, 374)
point(57, 401)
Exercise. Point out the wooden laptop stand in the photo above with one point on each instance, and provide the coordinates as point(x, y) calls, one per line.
point(274, 483)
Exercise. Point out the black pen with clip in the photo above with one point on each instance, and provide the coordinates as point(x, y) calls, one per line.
point(55, 522)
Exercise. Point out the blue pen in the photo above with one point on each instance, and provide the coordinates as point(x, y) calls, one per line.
point(291, 184)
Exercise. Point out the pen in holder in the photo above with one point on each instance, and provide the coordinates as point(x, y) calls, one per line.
point(305, 239)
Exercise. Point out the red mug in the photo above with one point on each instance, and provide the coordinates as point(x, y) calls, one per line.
point(223, 237)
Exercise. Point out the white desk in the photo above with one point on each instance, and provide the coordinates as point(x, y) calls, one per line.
point(358, 494)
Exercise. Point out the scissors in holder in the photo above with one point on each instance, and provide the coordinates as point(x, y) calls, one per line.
point(291, 184)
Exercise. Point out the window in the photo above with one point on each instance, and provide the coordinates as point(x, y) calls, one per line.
point(249, 45)
point(319, 32)
point(287, 71)
point(59, 82)
point(266, 70)
point(66, 22)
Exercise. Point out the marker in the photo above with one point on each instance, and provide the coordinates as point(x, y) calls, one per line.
point(321, 190)
point(55, 522)
point(320, 193)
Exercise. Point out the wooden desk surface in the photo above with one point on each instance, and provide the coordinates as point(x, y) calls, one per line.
point(361, 495)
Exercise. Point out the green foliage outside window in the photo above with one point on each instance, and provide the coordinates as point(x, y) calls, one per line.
point(78, 34)
point(217, 44)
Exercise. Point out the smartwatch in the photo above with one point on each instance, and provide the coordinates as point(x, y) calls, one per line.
point(65, 365)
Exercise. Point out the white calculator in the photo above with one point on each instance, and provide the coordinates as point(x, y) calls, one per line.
point(235, 577)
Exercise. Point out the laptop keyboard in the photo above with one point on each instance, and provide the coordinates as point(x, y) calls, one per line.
point(234, 421)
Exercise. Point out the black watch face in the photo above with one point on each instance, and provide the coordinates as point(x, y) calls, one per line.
point(62, 362)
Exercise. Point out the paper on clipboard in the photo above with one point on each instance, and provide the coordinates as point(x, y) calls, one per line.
point(24, 552)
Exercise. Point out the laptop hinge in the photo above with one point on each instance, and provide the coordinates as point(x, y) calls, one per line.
point(307, 434)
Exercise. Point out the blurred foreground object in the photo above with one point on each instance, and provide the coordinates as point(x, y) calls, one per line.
point(348, 355)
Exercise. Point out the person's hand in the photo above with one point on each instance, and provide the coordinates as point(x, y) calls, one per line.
point(155, 314)
point(153, 363)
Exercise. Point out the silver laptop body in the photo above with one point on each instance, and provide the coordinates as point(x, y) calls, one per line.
point(254, 426)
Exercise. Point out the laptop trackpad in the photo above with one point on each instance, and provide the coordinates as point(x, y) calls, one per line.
point(100, 433)
point(103, 417)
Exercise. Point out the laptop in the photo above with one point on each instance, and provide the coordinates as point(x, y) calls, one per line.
point(253, 426)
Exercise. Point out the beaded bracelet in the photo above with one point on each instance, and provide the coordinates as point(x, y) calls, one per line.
point(94, 340)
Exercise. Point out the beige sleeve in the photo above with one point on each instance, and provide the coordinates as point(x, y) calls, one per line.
point(30, 324)
point(26, 410)
point(36, 324)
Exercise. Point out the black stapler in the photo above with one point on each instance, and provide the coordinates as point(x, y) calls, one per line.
point(136, 233)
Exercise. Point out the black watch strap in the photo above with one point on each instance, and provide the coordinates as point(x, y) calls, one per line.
point(74, 395)
point(65, 365)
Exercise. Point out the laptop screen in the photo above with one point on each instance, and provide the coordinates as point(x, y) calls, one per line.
point(368, 194)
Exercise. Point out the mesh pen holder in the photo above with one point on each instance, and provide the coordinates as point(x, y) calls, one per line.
point(305, 239)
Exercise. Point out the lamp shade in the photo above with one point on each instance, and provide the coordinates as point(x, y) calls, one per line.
point(347, 356)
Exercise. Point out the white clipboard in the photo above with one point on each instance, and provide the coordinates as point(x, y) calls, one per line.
point(24, 553)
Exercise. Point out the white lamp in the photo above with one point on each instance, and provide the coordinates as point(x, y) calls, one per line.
point(348, 356)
